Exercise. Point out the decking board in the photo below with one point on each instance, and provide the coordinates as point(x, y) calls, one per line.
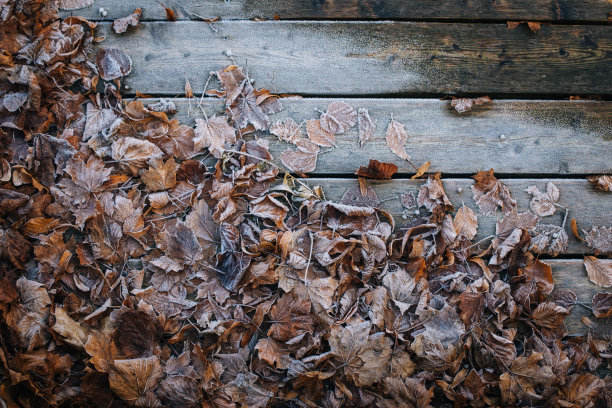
point(371, 58)
point(588, 206)
point(532, 10)
point(539, 137)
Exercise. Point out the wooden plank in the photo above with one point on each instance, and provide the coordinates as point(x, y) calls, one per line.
point(357, 58)
point(570, 274)
point(532, 10)
point(588, 206)
point(562, 137)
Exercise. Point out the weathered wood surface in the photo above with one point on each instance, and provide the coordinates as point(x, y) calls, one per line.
point(367, 58)
point(570, 274)
point(588, 206)
point(532, 10)
point(539, 137)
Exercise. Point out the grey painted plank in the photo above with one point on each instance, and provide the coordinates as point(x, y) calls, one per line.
point(550, 137)
point(360, 58)
point(588, 206)
point(540, 10)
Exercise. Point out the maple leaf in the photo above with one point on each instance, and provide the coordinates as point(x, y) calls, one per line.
point(179, 242)
point(160, 175)
point(200, 221)
point(600, 239)
point(130, 379)
point(213, 134)
point(97, 120)
point(465, 222)
point(396, 137)
point(346, 343)
point(462, 105)
point(290, 317)
point(113, 63)
point(273, 353)
point(120, 25)
point(602, 304)
point(377, 170)
point(603, 182)
point(287, 130)
point(365, 125)
point(599, 270)
point(543, 204)
point(490, 193)
point(410, 393)
point(338, 118)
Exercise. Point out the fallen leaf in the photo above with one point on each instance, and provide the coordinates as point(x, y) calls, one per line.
point(600, 239)
point(303, 159)
point(421, 170)
point(543, 204)
point(113, 63)
point(549, 315)
point(465, 222)
point(365, 125)
point(170, 16)
point(318, 135)
point(213, 134)
point(130, 379)
point(287, 130)
point(603, 182)
point(377, 170)
point(338, 118)
point(599, 270)
point(396, 137)
point(462, 105)
point(160, 175)
point(290, 318)
point(490, 193)
point(432, 194)
point(74, 4)
point(602, 304)
point(120, 25)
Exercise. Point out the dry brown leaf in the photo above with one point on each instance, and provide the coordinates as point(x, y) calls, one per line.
point(188, 90)
point(603, 182)
point(74, 4)
point(338, 118)
point(120, 25)
point(602, 304)
point(462, 105)
point(465, 222)
point(543, 204)
point(70, 331)
point(549, 239)
point(287, 130)
point(130, 379)
point(214, 134)
point(490, 193)
point(365, 125)
point(291, 317)
point(600, 239)
point(599, 270)
point(432, 194)
point(303, 159)
point(318, 135)
point(377, 170)
point(132, 153)
point(421, 170)
point(113, 63)
point(549, 315)
point(396, 137)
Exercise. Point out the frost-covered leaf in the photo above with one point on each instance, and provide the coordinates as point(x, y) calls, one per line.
point(396, 137)
point(338, 118)
point(465, 222)
point(214, 134)
point(113, 63)
point(599, 270)
point(120, 25)
point(543, 204)
point(490, 193)
point(366, 126)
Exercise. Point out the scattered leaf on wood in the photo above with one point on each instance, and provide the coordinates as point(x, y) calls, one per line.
point(600, 239)
point(338, 118)
point(462, 105)
point(120, 25)
point(366, 126)
point(543, 204)
point(599, 270)
point(603, 182)
point(318, 135)
point(490, 193)
point(170, 16)
point(602, 304)
point(396, 137)
point(377, 170)
point(113, 63)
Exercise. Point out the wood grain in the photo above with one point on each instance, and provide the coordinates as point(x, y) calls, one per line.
point(539, 137)
point(532, 10)
point(360, 58)
point(588, 206)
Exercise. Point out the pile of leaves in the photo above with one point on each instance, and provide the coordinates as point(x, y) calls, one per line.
point(134, 274)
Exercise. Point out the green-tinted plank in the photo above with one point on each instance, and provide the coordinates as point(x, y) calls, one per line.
point(357, 58)
point(539, 137)
point(541, 10)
